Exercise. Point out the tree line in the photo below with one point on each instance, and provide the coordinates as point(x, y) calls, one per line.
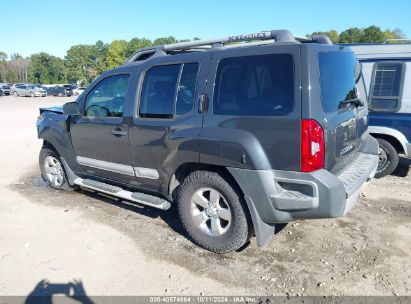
point(371, 34)
point(84, 62)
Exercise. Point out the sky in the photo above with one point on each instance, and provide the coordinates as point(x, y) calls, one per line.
point(53, 26)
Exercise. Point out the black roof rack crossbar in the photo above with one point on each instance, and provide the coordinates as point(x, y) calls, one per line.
point(276, 35)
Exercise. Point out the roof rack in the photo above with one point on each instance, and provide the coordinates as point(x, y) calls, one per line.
point(198, 45)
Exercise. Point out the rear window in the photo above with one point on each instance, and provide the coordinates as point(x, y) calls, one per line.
point(337, 79)
point(260, 85)
point(168, 90)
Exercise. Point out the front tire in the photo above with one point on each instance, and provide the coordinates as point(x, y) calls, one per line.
point(52, 170)
point(31, 94)
point(213, 212)
point(15, 94)
point(389, 158)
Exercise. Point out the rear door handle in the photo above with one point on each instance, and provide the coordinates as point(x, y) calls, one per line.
point(118, 132)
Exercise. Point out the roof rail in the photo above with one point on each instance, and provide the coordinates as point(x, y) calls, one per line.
point(276, 35)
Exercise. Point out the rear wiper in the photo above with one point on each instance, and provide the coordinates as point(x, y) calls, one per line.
point(355, 101)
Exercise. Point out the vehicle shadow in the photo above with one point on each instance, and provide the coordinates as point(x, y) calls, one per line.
point(169, 217)
point(44, 291)
point(403, 167)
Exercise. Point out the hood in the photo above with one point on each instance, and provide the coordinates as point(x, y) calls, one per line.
point(57, 109)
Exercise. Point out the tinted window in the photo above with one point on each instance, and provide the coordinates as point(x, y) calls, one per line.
point(385, 94)
point(107, 98)
point(187, 88)
point(337, 77)
point(254, 86)
point(159, 94)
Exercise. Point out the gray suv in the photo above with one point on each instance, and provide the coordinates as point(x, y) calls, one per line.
point(238, 137)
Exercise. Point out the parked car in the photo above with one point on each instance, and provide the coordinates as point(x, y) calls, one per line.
point(60, 91)
point(1, 92)
point(78, 91)
point(41, 86)
point(28, 90)
point(5, 89)
point(268, 138)
point(387, 77)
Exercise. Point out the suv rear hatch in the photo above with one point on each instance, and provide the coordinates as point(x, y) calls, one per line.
point(334, 102)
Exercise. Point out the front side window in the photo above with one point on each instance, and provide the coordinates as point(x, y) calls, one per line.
point(386, 90)
point(337, 79)
point(260, 85)
point(108, 98)
point(168, 90)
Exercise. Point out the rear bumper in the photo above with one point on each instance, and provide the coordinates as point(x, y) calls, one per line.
point(284, 196)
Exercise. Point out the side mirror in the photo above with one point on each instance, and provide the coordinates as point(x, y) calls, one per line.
point(71, 108)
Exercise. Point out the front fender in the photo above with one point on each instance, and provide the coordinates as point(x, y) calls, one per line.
point(53, 128)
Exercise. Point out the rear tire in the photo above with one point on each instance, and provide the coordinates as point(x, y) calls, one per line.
point(52, 170)
point(388, 158)
point(31, 94)
point(213, 212)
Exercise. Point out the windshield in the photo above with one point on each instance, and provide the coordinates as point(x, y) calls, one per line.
point(337, 78)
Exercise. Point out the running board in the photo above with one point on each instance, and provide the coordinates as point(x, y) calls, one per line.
point(137, 197)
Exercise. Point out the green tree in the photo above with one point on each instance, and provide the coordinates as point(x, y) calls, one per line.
point(136, 44)
point(84, 61)
point(3, 66)
point(100, 53)
point(333, 35)
point(46, 68)
point(372, 34)
point(351, 35)
point(165, 40)
point(394, 34)
point(116, 53)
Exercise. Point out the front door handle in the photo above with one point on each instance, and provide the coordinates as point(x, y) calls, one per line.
point(118, 132)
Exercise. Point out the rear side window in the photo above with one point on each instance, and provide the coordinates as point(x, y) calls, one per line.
point(260, 85)
point(386, 89)
point(168, 90)
point(186, 88)
point(337, 78)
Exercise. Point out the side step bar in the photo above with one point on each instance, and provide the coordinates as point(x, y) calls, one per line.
point(137, 197)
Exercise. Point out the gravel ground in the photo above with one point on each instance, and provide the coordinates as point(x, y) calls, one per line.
point(368, 252)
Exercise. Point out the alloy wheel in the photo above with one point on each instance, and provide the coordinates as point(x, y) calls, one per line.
point(210, 212)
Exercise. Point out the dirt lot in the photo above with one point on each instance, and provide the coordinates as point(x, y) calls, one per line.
point(118, 248)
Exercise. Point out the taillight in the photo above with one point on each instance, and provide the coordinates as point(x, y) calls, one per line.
point(312, 146)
